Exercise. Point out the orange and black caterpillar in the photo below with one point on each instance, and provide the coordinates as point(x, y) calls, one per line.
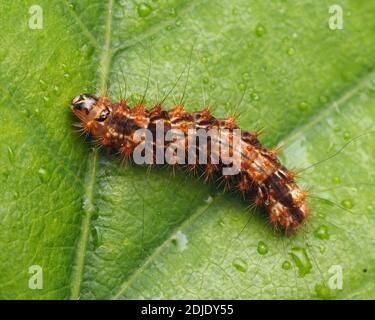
point(261, 176)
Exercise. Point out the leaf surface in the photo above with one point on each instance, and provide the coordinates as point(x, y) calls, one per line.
point(100, 229)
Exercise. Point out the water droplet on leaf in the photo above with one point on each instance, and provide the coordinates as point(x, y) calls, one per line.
point(336, 180)
point(260, 30)
point(322, 232)
point(97, 238)
point(302, 106)
point(180, 241)
point(11, 155)
point(291, 51)
point(322, 290)
point(348, 204)
point(262, 248)
point(240, 264)
point(144, 9)
point(254, 96)
point(43, 175)
point(301, 260)
point(286, 265)
point(242, 86)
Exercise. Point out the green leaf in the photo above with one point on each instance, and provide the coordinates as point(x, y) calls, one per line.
point(100, 229)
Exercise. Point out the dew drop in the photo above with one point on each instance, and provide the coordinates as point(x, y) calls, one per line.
point(167, 48)
point(337, 129)
point(336, 180)
point(254, 96)
point(209, 200)
point(262, 248)
point(180, 241)
point(291, 51)
point(97, 238)
point(242, 86)
point(66, 75)
point(144, 9)
point(45, 98)
point(250, 44)
point(346, 135)
point(204, 59)
point(348, 204)
point(43, 175)
point(173, 12)
point(302, 106)
point(322, 249)
point(240, 264)
point(286, 265)
point(205, 80)
point(322, 290)
point(370, 208)
point(11, 155)
point(321, 215)
point(246, 76)
point(301, 260)
point(260, 30)
point(43, 84)
point(235, 11)
point(322, 232)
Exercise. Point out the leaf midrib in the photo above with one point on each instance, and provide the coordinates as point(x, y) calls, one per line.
point(88, 200)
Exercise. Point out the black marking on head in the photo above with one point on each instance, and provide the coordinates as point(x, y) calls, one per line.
point(104, 115)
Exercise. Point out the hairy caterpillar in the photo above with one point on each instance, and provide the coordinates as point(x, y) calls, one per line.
point(261, 176)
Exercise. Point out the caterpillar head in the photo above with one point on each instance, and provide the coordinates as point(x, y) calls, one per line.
point(93, 112)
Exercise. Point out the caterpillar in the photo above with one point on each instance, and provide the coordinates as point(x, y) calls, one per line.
point(260, 177)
